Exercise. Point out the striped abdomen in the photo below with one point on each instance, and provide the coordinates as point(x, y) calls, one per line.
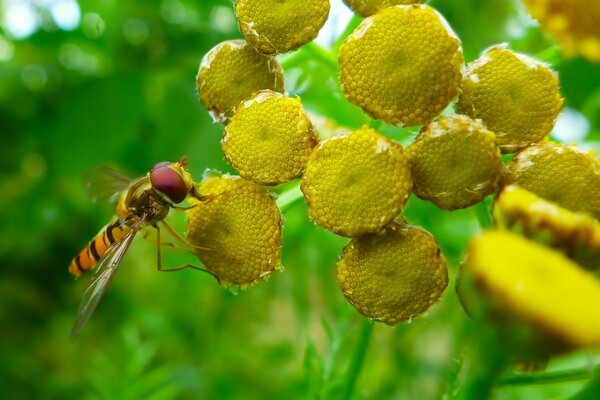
point(89, 256)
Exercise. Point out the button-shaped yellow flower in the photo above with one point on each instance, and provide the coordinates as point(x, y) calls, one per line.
point(237, 230)
point(575, 234)
point(573, 23)
point(403, 65)
point(393, 276)
point(366, 8)
point(356, 182)
point(563, 174)
point(454, 162)
point(550, 302)
point(514, 95)
point(279, 26)
point(269, 138)
point(231, 72)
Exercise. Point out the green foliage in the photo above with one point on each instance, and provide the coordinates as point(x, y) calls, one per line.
point(120, 90)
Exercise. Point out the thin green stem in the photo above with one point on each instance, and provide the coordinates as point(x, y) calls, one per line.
point(295, 59)
point(482, 369)
point(311, 52)
point(550, 55)
point(288, 198)
point(376, 124)
point(547, 378)
point(324, 57)
point(484, 216)
point(358, 357)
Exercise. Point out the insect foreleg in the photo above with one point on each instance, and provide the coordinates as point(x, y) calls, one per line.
point(167, 244)
point(184, 208)
point(192, 266)
point(182, 239)
point(179, 268)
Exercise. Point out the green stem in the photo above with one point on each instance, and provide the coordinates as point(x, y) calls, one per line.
point(376, 124)
point(547, 377)
point(311, 52)
point(358, 357)
point(484, 216)
point(551, 55)
point(324, 57)
point(288, 198)
point(486, 362)
point(591, 390)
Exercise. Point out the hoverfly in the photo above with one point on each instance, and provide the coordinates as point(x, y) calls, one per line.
point(141, 202)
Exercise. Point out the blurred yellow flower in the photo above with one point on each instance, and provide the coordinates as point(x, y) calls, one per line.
point(574, 24)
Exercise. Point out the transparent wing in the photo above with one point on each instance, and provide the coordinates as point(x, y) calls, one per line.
point(102, 184)
point(105, 270)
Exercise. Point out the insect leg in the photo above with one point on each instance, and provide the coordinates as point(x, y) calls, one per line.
point(168, 244)
point(184, 208)
point(192, 266)
point(184, 266)
point(183, 239)
point(179, 268)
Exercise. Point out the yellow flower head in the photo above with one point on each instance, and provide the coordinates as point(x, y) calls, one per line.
point(573, 23)
point(514, 95)
point(269, 138)
point(279, 26)
point(560, 173)
point(231, 72)
point(237, 230)
point(366, 8)
point(356, 182)
point(454, 162)
point(403, 65)
point(540, 295)
point(575, 234)
point(393, 276)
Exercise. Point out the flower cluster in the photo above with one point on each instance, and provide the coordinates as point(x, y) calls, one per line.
point(404, 65)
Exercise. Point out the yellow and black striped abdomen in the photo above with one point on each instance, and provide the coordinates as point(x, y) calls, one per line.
point(107, 237)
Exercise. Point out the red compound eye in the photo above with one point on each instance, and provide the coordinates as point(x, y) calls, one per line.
point(169, 182)
point(161, 164)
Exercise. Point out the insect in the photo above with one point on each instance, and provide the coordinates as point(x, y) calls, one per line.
point(141, 202)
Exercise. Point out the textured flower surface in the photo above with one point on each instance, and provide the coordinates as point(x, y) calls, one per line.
point(236, 231)
point(514, 95)
point(393, 276)
point(231, 72)
point(563, 174)
point(403, 65)
point(356, 182)
point(279, 26)
point(366, 8)
point(533, 285)
point(454, 162)
point(575, 234)
point(269, 138)
point(573, 23)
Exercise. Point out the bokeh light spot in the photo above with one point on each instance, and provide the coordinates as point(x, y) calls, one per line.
point(93, 25)
point(7, 50)
point(71, 56)
point(222, 19)
point(571, 126)
point(20, 19)
point(34, 77)
point(136, 31)
point(66, 14)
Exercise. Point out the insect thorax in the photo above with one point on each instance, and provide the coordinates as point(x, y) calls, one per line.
point(141, 198)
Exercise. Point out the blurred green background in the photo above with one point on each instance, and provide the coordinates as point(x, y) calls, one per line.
point(111, 82)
